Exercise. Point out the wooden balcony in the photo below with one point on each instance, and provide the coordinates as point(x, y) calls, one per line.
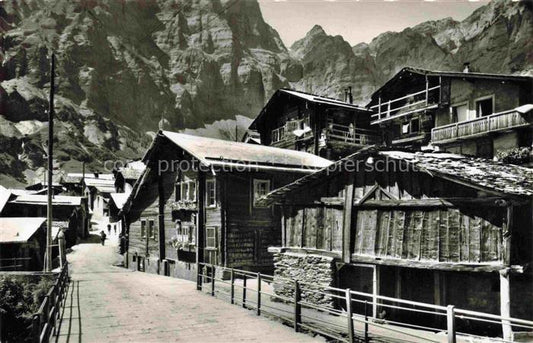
point(345, 134)
point(480, 126)
point(284, 134)
point(412, 103)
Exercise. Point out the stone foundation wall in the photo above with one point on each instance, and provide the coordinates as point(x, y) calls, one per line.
point(313, 271)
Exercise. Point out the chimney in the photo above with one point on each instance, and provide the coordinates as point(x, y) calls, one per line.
point(345, 95)
point(466, 67)
point(96, 174)
point(350, 96)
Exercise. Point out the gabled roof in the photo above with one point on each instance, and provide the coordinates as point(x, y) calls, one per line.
point(308, 97)
point(488, 175)
point(131, 173)
point(91, 182)
point(19, 229)
point(37, 199)
point(215, 152)
point(119, 199)
point(5, 194)
point(451, 74)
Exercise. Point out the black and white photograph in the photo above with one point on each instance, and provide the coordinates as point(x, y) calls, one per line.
point(272, 171)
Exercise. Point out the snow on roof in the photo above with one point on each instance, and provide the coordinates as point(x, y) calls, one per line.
point(484, 173)
point(37, 199)
point(119, 199)
point(132, 173)
point(210, 151)
point(105, 189)
point(19, 229)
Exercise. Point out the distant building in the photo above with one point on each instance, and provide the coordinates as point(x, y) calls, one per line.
point(469, 113)
point(431, 227)
point(72, 210)
point(97, 191)
point(22, 243)
point(197, 201)
point(319, 125)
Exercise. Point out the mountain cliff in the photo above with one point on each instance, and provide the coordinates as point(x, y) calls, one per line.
point(122, 66)
point(495, 38)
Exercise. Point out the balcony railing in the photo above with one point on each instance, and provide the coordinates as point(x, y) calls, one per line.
point(405, 105)
point(343, 133)
point(284, 133)
point(495, 122)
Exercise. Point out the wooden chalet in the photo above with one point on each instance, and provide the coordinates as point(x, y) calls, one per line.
point(97, 191)
point(431, 227)
point(70, 212)
point(319, 125)
point(197, 202)
point(465, 112)
point(22, 243)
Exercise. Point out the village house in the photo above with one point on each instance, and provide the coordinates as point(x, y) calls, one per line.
point(319, 125)
point(98, 190)
point(22, 243)
point(69, 212)
point(470, 113)
point(438, 228)
point(197, 202)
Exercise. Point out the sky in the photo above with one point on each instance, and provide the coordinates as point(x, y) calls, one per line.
point(358, 21)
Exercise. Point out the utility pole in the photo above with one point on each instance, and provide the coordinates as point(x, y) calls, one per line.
point(48, 262)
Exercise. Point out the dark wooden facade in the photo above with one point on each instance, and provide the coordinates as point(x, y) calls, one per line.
point(404, 232)
point(463, 112)
point(322, 126)
point(178, 218)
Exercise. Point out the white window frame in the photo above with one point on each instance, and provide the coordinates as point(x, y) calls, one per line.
point(143, 227)
point(256, 183)
point(208, 204)
point(151, 228)
point(208, 229)
point(485, 98)
point(468, 114)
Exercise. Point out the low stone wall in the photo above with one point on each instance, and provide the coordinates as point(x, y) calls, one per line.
point(313, 271)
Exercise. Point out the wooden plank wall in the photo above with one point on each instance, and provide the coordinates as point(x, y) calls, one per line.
point(445, 235)
point(251, 230)
point(318, 227)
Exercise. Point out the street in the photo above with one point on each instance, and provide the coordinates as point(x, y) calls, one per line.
point(107, 303)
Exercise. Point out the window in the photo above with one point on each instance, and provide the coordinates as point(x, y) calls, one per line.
point(143, 228)
point(460, 113)
point(412, 126)
point(210, 189)
point(484, 107)
point(211, 237)
point(186, 190)
point(261, 188)
point(151, 228)
point(405, 128)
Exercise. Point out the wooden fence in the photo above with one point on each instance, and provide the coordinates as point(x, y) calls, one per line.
point(45, 321)
point(348, 324)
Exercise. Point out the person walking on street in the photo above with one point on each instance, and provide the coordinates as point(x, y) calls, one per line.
point(115, 228)
point(109, 229)
point(102, 237)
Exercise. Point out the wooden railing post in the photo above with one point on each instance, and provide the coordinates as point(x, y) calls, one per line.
point(450, 315)
point(388, 109)
point(349, 314)
point(213, 281)
point(297, 306)
point(36, 328)
point(258, 294)
point(366, 321)
point(232, 294)
point(244, 291)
